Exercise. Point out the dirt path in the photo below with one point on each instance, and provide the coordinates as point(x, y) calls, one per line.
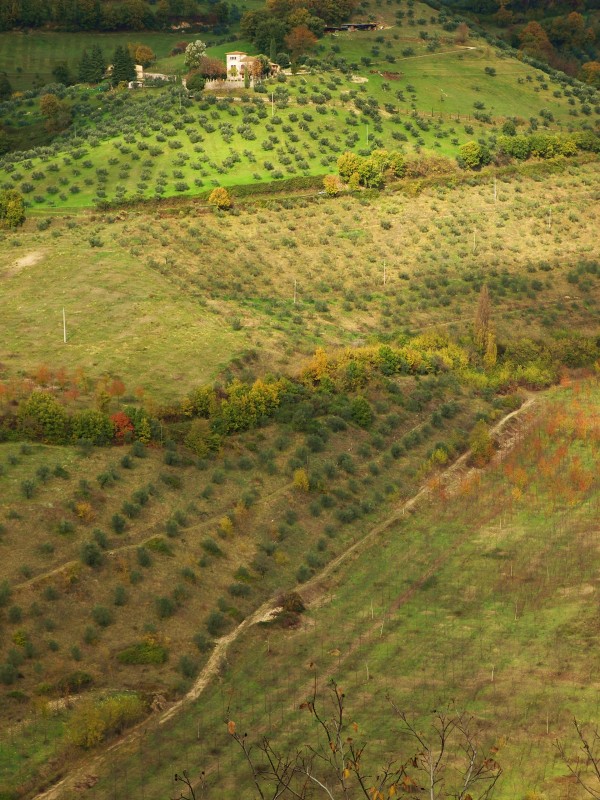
point(25, 261)
point(311, 592)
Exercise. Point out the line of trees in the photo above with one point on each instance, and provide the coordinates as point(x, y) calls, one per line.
point(289, 26)
point(92, 67)
point(128, 15)
point(562, 33)
point(42, 417)
point(473, 155)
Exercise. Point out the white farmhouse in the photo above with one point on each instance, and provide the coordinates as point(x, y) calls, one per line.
point(238, 63)
point(235, 69)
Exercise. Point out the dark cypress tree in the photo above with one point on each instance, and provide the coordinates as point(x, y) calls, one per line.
point(5, 87)
point(98, 64)
point(123, 66)
point(62, 74)
point(84, 70)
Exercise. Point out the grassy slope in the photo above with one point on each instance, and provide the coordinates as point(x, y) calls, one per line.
point(122, 317)
point(274, 528)
point(515, 565)
point(155, 305)
point(442, 87)
point(180, 284)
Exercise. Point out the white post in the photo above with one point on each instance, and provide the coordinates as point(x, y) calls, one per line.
point(64, 327)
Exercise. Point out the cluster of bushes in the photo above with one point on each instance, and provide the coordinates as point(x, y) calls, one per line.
point(535, 364)
point(546, 145)
point(96, 718)
point(474, 155)
point(42, 417)
point(150, 651)
point(238, 407)
point(12, 209)
point(351, 369)
point(370, 171)
point(522, 363)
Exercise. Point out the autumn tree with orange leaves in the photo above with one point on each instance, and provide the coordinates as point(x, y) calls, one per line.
point(299, 41)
